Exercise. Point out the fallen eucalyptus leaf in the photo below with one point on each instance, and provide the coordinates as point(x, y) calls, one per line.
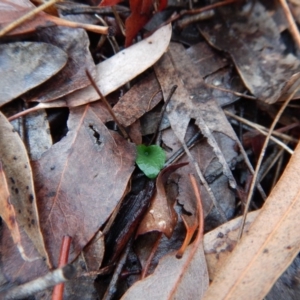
point(28, 64)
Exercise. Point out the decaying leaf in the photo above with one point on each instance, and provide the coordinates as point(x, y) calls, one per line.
point(174, 278)
point(161, 215)
point(124, 66)
point(141, 98)
point(8, 214)
point(28, 64)
point(72, 77)
point(19, 175)
point(253, 41)
point(220, 242)
point(81, 179)
point(272, 242)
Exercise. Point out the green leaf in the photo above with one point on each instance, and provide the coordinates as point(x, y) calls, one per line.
point(150, 159)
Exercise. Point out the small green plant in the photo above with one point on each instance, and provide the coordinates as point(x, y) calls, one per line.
point(150, 159)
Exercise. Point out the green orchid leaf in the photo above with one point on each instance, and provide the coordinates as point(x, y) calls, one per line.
point(150, 159)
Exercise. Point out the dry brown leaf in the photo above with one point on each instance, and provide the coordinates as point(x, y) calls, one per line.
point(270, 246)
point(124, 66)
point(161, 215)
point(173, 278)
point(93, 253)
point(8, 215)
point(193, 99)
point(18, 171)
point(141, 98)
point(80, 179)
point(220, 242)
point(29, 64)
point(72, 77)
point(253, 40)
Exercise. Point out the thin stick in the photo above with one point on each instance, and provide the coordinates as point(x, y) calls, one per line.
point(204, 182)
point(248, 125)
point(88, 27)
point(258, 128)
point(110, 292)
point(39, 284)
point(58, 290)
point(173, 89)
point(231, 92)
point(262, 154)
point(124, 133)
point(27, 16)
point(291, 21)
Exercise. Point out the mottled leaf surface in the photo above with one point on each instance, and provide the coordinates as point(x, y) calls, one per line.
point(28, 64)
point(81, 179)
point(72, 77)
point(20, 182)
point(254, 45)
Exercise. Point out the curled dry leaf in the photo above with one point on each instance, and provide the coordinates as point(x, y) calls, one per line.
point(185, 278)
point(29, 64)
point(80, 179)
point(271, 244)
point(18, 171)
point(161, 215)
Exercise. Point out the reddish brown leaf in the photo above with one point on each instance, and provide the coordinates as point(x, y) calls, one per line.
point(161, 215)
point(141, 98)
point(80, 179)
point(141, 13)
point(109, 2)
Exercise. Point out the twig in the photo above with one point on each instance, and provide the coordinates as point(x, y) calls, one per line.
point(263, 151)
point(173, 89)
point(292, 24)
point(122, 129)
point(269, 163)
point(263, 132)
point(231, 92)
point(39, 284)
point(110, 292)
point(52, 104)
point(88, 27)
point(58, 290)
point(190, 144)
point(26, 17)
point(204, 182)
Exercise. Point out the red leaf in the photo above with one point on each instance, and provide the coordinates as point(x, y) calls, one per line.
point(141, 13)
point(109, 2)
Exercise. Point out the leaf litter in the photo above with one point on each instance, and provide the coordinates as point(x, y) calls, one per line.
point(86, 181)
